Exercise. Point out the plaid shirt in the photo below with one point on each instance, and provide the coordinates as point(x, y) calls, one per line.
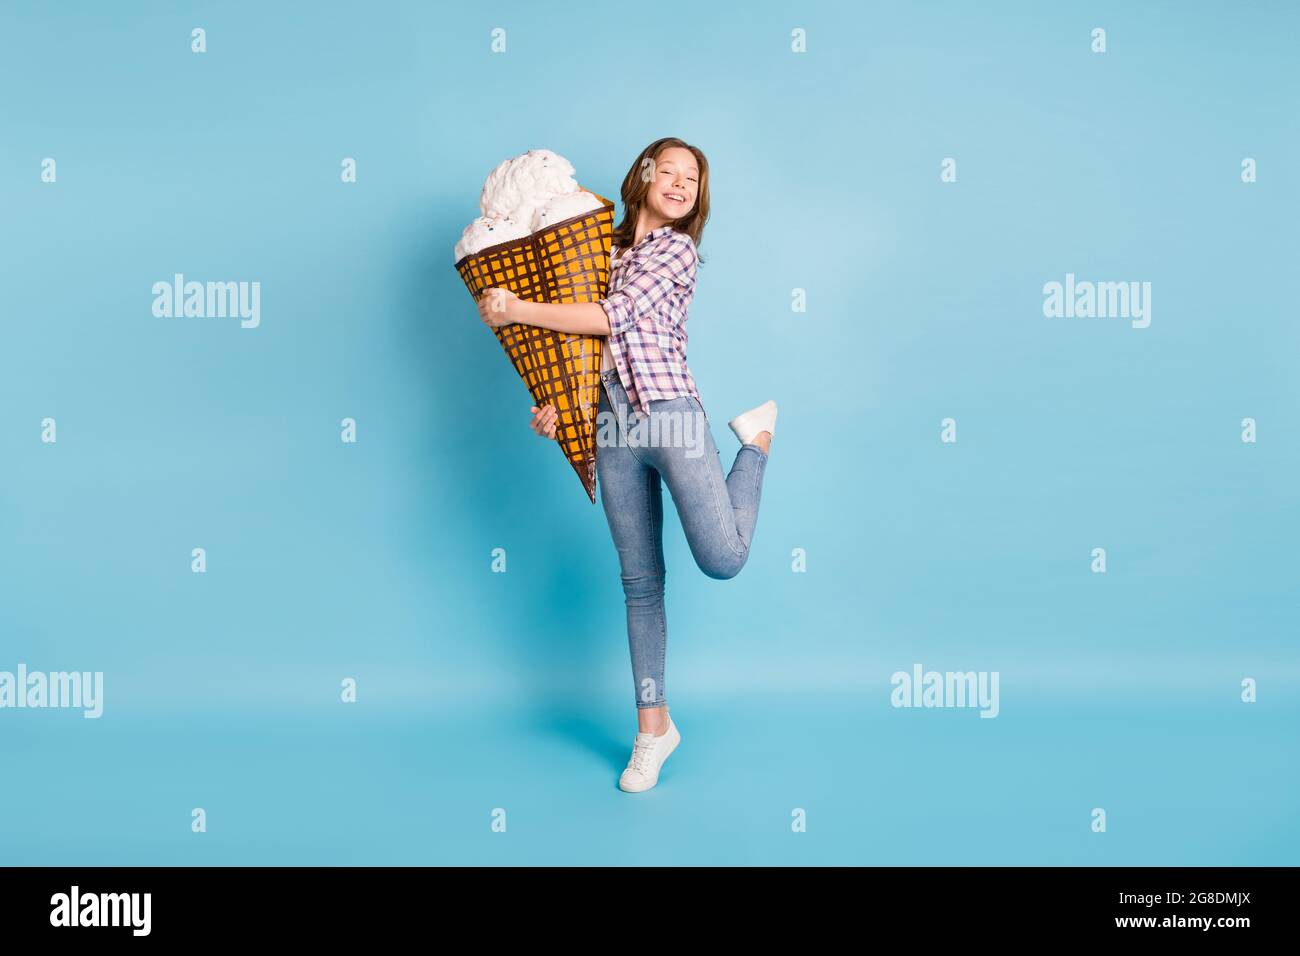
point(650, 288)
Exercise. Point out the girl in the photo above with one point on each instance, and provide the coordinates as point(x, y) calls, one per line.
point(648, 389)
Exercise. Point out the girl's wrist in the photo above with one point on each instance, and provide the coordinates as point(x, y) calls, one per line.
point(525, 312)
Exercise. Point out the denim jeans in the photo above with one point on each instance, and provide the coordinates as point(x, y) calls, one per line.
point(718, 515)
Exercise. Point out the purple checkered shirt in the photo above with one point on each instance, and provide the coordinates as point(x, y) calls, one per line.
point(650, 289)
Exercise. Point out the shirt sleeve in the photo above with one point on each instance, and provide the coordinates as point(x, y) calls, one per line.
point(650, 282)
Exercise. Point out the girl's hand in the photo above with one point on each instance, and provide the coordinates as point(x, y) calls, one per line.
point(544, 421)
point(497, 307)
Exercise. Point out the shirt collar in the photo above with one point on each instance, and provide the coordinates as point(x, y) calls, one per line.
point(652, 234)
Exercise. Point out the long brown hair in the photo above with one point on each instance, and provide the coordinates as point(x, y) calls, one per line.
point(636, 186)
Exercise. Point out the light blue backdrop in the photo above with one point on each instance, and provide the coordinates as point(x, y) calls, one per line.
point(373, 561)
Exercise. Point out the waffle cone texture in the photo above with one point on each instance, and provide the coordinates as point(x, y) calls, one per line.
point(566, 262)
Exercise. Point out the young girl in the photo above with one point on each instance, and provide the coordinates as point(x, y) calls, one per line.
point(648, 384)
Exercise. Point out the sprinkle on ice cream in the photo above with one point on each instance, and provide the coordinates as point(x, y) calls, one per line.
point(521, 196)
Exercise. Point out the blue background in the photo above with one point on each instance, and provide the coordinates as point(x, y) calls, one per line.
point(480, 690)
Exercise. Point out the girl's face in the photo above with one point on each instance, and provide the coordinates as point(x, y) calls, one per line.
point(675, 185)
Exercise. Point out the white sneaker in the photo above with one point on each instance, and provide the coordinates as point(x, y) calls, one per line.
point(648, 755)
point(748, 424)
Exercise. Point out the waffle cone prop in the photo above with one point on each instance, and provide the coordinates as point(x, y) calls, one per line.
point(564, 262)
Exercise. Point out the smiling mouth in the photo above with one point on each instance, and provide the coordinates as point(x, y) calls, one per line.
point(675, 197)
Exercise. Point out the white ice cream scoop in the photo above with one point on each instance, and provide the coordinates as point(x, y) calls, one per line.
point(486, 231)
point(520, 186)
point(564, 207)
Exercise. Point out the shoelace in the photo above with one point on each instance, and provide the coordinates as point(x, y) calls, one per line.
point(641, 748)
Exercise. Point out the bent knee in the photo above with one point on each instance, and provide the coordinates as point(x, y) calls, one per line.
point(722, 567)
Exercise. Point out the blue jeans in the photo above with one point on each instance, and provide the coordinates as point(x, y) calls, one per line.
point(718, 515)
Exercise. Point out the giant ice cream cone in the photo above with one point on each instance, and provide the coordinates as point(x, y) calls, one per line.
point(565, 262)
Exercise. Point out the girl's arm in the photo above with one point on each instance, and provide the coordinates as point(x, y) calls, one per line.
point(644, 293)
point(501, 307)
